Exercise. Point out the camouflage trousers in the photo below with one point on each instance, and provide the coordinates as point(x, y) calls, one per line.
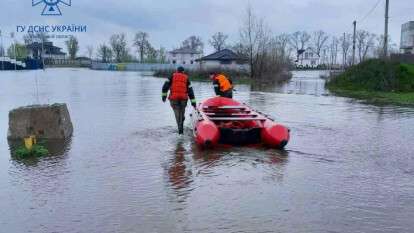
point(179, 112)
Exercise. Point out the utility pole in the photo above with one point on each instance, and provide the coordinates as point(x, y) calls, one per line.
point(14, 48)
point(3, 51)
point(43, 52)
point(354, 44)
point(343, 53)
point(387, 5)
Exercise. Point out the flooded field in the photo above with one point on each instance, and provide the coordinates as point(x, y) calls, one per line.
point(348, 168)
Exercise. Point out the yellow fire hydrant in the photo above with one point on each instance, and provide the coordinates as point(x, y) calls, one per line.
point(29, 142)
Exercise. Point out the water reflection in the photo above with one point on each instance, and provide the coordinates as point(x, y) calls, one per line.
point(260, 86)
point(57, 151)
point(179, 175)
point(205, 158)
point(301, 84)
point(189, 163)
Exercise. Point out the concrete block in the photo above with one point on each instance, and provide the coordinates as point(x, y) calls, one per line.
point(44, 121)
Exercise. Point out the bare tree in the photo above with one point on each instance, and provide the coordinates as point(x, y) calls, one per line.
point(282, 42)
point(319, 39)
point(90, 49)
point(365, 42)
point(119, 47)
point(142, 44)
point(361, 43)
point(368, 51)
point(294, 40)
point(333, 48)
point(72, 45)
point(346, 43)
point(267, 54)
point(279, 55)
point(264, 57)
point(299, 41)
point(218, 41)
point(379, 46)
point(152, 55)
point(393, 48)
point(304, 39)
point(162, 55)
point(2, 51)
point(193, 42)
point(104, 53)
point(239, 49)
point(252, 35)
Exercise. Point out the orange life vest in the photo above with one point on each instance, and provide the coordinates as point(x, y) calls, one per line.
point(224, 83)
point(179, 88)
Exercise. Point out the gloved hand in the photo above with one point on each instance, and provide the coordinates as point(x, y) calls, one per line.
point(194, 105)
point(164, 98)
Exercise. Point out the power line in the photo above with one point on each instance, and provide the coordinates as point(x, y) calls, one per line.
point(370, 12)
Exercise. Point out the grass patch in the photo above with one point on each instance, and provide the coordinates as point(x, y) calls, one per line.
point(399, 98)
point(37, 151)
point(376, 75)
point(378, 81)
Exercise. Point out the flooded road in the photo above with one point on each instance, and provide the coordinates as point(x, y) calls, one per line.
point(348, 168)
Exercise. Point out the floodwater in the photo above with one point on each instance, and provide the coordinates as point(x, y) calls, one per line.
point(348, 168)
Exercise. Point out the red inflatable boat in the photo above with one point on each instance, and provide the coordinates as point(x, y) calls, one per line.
point(225, 121)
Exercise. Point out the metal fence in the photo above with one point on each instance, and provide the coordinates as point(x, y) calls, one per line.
point(403, 58)
point(158, 67)
point(67, 62)
point(139, 66)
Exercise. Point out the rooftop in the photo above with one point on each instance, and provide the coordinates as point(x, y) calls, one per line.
point(223, 55)
point(185, 51)
point(37, 45)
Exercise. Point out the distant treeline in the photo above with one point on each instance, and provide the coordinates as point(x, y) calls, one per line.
point(268, 54)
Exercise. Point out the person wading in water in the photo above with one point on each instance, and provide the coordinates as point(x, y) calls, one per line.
point(223, 86)
point(180, 90)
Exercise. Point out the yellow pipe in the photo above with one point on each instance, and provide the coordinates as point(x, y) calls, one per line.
point(29, 142)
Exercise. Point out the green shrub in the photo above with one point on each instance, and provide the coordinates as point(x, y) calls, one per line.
point(37, 150)
point(376, 75)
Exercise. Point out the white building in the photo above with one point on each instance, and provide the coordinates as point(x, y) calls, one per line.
point(46, 51)
point(407, 37)
point(183, 56)
point(307, 58)
point(223, 60)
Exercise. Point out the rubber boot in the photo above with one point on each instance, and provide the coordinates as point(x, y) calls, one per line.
point(181, 126)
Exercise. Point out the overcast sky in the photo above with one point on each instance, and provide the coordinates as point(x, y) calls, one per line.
point(169, 22)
